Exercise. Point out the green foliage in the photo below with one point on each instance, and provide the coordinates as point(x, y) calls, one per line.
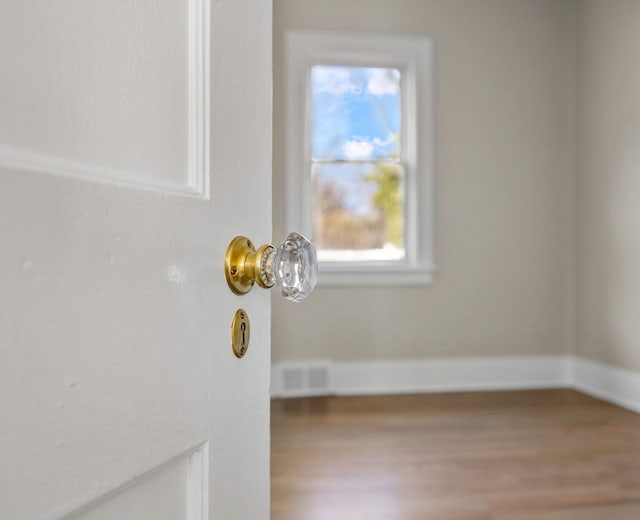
point(389, 201)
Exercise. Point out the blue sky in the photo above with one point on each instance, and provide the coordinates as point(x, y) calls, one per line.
point(356, 112)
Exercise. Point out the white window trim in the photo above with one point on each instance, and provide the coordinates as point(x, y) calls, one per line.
point(414, 57)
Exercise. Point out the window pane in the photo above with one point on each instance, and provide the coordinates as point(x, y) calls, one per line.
point(358, 211)
point(355, 113)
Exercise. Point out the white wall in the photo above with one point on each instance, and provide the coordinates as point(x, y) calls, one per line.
point(506, 186)
point(609, 182)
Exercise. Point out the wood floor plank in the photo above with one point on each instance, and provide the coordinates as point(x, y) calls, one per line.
point(466, 456)
point(603, 512)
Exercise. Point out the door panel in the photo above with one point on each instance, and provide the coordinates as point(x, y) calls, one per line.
point(106, 89)
point(115, 357)
point(175, 490)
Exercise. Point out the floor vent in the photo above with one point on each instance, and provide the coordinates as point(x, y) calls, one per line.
point(301, 379)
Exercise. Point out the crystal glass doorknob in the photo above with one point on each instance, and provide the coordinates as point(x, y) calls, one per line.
point(293, 266)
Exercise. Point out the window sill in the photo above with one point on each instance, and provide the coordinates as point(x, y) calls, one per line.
point(367, 275)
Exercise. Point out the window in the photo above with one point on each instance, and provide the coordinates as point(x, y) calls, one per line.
point(357, 179)
point(360, 154)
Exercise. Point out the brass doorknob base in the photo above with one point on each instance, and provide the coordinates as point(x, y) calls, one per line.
point(244, 266)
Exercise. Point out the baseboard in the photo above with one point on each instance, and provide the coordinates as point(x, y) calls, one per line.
point(616, 385)
point(451, 375)
point(430, 375)
point(322, 377)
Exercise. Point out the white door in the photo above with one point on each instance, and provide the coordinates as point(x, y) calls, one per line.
point(135, 143)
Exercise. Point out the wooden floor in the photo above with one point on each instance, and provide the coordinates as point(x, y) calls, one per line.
point(534, 455)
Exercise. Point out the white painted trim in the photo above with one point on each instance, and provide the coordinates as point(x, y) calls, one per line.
point(21, 159)
point(376, 276)
point(198, 155)
point(198, 484)
point(616, 385)
point(613, 384)
point(440, 375)
point(199, 134)
point(414, 56)
point(451, 375)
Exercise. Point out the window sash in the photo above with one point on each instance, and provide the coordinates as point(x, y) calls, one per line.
point(359, 214)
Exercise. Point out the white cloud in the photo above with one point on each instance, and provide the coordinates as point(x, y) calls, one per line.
point(379, 143)
point(363, 148)
point(383, 81)
point(357, 150)
point(335, 80)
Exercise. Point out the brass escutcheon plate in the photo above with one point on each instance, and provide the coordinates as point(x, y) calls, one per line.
point(240, 330)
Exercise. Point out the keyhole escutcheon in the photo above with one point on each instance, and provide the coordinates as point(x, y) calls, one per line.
point(240, 333)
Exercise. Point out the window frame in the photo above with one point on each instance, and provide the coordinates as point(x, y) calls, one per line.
point(414, 57)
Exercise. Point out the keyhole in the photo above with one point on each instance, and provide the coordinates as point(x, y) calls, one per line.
point(243, 327)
